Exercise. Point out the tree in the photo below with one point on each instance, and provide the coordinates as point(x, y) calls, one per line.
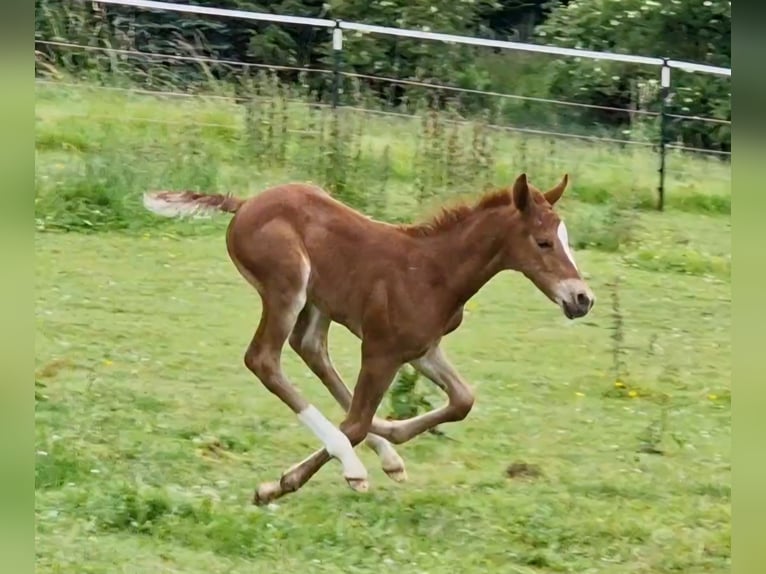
point(406, 58)
point(693, 30)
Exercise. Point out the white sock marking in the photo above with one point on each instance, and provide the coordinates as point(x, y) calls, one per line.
point(389, 458)
point(564, 238)
point(336, 443)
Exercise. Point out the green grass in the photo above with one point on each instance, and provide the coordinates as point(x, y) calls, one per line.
point(151, 433)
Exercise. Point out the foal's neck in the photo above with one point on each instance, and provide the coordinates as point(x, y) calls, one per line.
point(472, 253)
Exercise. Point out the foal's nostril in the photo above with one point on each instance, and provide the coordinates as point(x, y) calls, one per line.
point(583, 300)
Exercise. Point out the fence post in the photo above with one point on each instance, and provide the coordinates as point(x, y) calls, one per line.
point(664, 99)
point(336, 176)
point(337, 52)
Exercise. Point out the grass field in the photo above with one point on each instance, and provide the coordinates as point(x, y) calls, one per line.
point(151, 434)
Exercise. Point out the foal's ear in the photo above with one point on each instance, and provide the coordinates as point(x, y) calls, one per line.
point(521, 192)
point(553, 195)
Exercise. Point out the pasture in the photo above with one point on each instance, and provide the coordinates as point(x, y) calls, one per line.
point(151, 434)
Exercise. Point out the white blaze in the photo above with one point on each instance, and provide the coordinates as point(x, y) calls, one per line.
point(564, 238)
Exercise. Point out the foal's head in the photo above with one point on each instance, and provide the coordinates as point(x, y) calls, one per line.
point(538, 246)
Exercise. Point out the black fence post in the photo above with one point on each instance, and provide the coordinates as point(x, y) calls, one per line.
point(664, 99)
point(337, 52)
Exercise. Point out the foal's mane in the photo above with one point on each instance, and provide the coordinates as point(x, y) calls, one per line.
point(449, 217)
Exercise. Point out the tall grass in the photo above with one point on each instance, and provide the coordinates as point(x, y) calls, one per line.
point(434, 155)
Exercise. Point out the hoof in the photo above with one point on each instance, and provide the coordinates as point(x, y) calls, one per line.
point(267, 492)
point(397, 474)
point(358, 484)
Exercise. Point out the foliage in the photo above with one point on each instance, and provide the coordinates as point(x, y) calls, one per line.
point(692, 30)
point(405, 399)
point(635, 26)
point(407, 58)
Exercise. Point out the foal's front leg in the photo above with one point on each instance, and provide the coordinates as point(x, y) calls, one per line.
point(435, 366)
point(309, 341)
point(374, 379)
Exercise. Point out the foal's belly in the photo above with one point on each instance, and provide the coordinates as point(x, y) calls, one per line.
point(337, 313)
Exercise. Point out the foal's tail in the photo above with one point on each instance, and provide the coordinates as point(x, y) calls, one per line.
point(189, 203)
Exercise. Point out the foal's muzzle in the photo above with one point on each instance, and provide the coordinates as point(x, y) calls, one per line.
point(575, 298)
point(579, 308)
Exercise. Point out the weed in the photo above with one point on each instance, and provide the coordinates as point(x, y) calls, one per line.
point(59, 466)
point(405, 400)
point(650, 440)
point(619, 366)
point(611, 228)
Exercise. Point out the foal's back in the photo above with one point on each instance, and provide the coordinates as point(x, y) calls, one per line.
point(298, 235)
point(307, 207)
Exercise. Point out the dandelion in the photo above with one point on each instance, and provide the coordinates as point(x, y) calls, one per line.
point(107, 363)
point(619, 384)
point(579, 394)
point(712, 397)
point(632, 394)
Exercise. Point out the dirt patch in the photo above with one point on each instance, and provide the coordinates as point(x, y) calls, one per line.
point(523, 470)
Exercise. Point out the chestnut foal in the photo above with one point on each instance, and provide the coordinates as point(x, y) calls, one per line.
point(400, 289)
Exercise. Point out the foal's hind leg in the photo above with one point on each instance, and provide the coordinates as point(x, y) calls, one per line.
point(309, 341)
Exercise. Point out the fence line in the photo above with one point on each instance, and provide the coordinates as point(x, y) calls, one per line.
point(401, 115)
point(209, 60)
point(497, 94)
point(698, 150)
point(495, 127)
point(699, 119)
point(233, 99)
point(666, 65)
point(422, 35)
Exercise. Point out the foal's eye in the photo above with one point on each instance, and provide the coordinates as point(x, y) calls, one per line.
point(544, 244)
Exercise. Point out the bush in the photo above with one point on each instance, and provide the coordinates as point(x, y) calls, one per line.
point(688, 30)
